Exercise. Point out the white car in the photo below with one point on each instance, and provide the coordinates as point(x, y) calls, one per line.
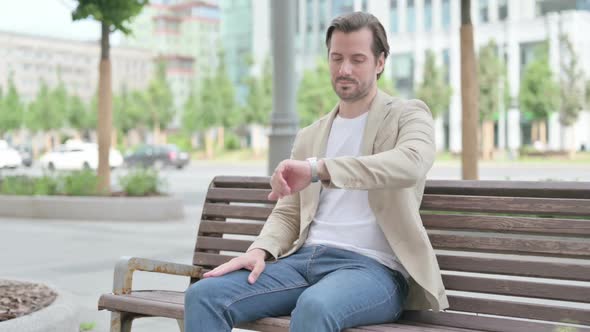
point(76, 155)
point(9, 157)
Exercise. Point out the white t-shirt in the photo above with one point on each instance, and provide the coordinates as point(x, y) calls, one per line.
point(344, 218)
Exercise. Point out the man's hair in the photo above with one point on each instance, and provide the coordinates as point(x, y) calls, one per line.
point(355, 21)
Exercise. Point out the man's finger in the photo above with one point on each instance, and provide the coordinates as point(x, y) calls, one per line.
point(256, 271)
point(223, 269)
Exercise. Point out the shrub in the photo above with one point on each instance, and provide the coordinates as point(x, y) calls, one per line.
point(45, 185)
point(17, 185)
point(141, 182)
point(232, 141)
point(80, 183)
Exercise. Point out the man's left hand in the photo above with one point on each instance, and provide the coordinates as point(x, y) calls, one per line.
point(290, 177)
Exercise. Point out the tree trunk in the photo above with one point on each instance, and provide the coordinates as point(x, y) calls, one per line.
point(156, 133)
point(114, 138)
point(543, 132)
point(534, 132)
point(105, 104)
point(469, 95)
point(488, 140)
point(209, 143)
point(221, 138)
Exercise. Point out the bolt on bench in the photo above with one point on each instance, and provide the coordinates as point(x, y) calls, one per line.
point(515, 256)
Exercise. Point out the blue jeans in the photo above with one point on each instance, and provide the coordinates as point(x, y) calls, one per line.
point(322, 288)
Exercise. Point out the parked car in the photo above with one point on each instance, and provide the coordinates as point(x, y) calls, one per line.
point(157, 156)
point(77, 155)
point(9, 157)
point(26, 154)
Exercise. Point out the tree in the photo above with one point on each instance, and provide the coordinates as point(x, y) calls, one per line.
point(538, 92)
point(259, 101)
point(572, 90)
point(159, 102)
point(315, 95)
point(45, 113)
point(113, 15)
point(129, 112)
point(468, 96)
point(80, 116)
point(196, 117)
point(386, 85)
point(491, 71)
point(11, 109)
point(434, 89)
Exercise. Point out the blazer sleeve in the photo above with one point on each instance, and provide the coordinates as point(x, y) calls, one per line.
point(282, 226)
point(401, 167)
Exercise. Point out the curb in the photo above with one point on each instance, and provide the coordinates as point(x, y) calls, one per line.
point(59, 316)
point(92, 208)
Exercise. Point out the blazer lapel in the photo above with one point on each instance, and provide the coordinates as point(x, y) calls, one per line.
point(377, 112)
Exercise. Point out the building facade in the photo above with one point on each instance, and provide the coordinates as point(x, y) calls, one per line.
point(185, 35)
point(415, 26)
point(32, 59)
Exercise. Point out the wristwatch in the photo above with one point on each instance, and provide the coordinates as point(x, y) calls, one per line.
point(313, 164)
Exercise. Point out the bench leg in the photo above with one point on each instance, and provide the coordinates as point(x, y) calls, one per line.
point(180, 324)
point(121, 322)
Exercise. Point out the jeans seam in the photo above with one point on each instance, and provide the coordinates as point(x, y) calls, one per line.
point(368, 308)
point(237, 299)
point(315, 249)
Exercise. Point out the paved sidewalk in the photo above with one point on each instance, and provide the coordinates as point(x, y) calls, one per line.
point(79, 256)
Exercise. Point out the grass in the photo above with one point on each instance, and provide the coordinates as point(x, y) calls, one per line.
point(87, 326)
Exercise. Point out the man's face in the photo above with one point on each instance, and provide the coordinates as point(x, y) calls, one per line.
point(353, 67)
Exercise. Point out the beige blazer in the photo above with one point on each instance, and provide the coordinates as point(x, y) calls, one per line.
point(396, 153)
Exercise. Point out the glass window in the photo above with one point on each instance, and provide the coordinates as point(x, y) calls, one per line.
point(403, 73)
point(446, 64)
point(427, 15)
point(364, 5)
point(502, 9)
point(411, 20)
point(483, 11)
point(548, 6)
point(446, 13)
point(394, 19)
point(309, 15)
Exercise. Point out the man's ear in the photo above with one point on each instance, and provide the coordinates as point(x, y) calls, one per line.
point(380, 62)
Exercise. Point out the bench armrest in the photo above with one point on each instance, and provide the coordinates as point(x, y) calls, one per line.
point(125, 267)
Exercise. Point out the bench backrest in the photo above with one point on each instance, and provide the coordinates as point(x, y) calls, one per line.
point(505, 248)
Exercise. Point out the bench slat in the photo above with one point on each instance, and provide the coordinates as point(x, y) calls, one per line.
point(257, 182)
point(209, 259)
point(206, 242)
point(519, 309)
point(517, 267)
point(236, 211)
point(516, 205)
point(238, 195)
point(565, 248)
point(506, 224)
point(517, 288)
point(226, 227)
point(486, 323)
point(561, 189)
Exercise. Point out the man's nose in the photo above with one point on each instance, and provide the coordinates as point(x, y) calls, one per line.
point(345, 68)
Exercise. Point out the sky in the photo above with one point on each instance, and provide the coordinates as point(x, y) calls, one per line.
point(50, 18)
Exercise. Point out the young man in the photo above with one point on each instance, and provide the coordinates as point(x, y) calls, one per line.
point(345, 240)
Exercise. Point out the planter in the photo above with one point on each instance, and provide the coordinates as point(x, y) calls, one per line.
point(60, 316)
point(155, 208)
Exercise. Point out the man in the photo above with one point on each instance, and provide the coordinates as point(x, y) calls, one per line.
point(345, 241)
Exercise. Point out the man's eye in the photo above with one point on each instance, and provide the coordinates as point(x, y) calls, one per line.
point(336, 59)
point(358, 60)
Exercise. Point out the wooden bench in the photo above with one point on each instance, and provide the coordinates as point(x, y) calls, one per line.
point(515, 256)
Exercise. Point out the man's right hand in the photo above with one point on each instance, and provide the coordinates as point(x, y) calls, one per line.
point(253, 260)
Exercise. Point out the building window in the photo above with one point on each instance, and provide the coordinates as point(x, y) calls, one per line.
point(340, 7)
point(502, 9)
point(411, 20)
point(403, 73)
point(364, 5)
point(446, 13)
point(309, 16)
point(427, 15)
point(393, 17)
point(483, 11)
point(544, 7)
point(446, 64)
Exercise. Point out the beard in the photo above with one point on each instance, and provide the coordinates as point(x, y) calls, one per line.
point(352, 90)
